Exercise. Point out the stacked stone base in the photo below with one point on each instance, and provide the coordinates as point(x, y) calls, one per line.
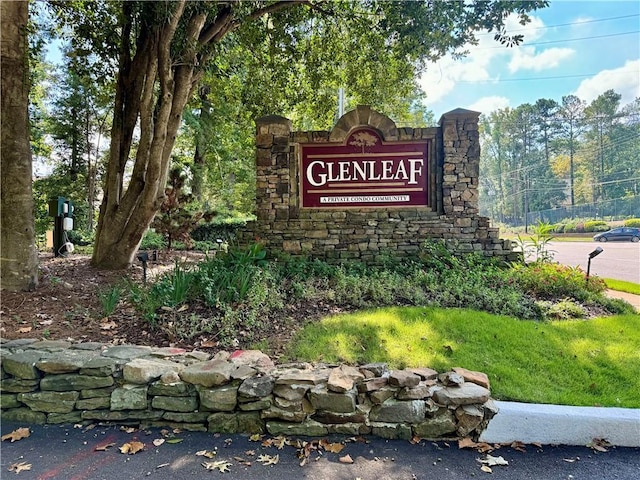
point(241, 392)
point(370, 236)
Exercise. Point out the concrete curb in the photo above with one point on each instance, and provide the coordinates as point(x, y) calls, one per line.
point(563, 425)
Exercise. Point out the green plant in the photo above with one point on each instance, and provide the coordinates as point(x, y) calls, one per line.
point(152, 241)
point(179, 213)
point(173, 288)
point(109, 299)
point(596, 226)
point(550, 280)
point(563, 310)
point(537, 246)
point(632, 222)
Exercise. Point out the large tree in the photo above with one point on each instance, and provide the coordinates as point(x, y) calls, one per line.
point(19, 264)
point(165, 47)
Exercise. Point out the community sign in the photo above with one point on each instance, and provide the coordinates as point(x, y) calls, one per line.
point(365, 171)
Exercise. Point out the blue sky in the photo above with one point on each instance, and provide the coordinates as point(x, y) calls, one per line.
point(581, 48)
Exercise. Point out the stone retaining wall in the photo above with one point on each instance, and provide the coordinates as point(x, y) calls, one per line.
point(241, 392)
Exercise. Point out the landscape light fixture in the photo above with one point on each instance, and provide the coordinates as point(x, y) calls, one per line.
point(593, 254)
point(144, 257)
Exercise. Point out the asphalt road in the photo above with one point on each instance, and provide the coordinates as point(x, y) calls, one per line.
point(66, 453)
point(619, 260)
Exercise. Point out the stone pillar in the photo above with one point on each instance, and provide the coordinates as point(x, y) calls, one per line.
point(461, 162)
point(273, 158)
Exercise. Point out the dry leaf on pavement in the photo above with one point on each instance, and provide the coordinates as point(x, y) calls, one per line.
point(206, 453)
point(599, 445)
point(103, 448)
point(131, 447)
point(486, 469)
point(268, 459)
point(158, 441)
point(492, 461)
point(221, 465)
point(346, 459)
point(17, 434)
point(19, 467)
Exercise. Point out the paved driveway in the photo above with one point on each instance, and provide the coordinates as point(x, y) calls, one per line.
point(619, 260)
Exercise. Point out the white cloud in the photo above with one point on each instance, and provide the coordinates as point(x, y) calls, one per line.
point(624, 80)
point(442, 77)
point(526, 58)
point(489, 104)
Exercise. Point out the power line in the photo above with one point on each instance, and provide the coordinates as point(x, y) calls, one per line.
point(567, 24)
point(542, 78)
point(581, 38)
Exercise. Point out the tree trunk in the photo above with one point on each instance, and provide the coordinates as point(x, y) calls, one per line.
point(153, 89)
point(199, 157)
point(19, 257)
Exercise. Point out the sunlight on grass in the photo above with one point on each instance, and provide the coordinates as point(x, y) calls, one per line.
point(592, 362)
point(622, 286)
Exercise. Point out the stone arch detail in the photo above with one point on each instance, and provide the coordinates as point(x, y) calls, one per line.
point(364, 115)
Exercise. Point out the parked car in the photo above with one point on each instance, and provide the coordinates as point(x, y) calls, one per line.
point(620, 233)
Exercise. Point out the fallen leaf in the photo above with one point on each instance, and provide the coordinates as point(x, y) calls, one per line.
point(279, 442)
point(256, 437)
point(569, 460)
point(128, 429)
point(268, 459)
point(242, 461)
point(346, 459)
point(519, 446)
point(494, 461)
point(175, 440)
point(334, 447)
point(221, 465)
point(131, 448)
point(162, 465)
point(103, 448)
point(183, 308)
point(206, 453)
point(486, 469)
point(19, 467)
point(416, 440)
point(250, 453)
point(24, 330)
point(158, 441)
point(599, 445)
point(17, 434)
point(481, 447)
point(108, 325)
point(466, 442)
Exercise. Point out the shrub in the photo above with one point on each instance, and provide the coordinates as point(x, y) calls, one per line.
point(563, 310)
point(596, 226)
point(632, 222)
point(558, 228)
point(152, 241)
point(218, 229)
point(551, 280)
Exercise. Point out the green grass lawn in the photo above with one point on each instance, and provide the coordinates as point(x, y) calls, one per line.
point(581, 362)
point(622, 286)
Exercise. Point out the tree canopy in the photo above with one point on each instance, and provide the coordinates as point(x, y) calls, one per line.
point(284, 57)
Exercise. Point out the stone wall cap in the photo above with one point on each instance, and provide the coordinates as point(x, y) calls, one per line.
point(267, 119)
point(459, 112)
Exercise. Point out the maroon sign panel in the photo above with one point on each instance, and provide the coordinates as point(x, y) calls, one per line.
point(365, 172)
